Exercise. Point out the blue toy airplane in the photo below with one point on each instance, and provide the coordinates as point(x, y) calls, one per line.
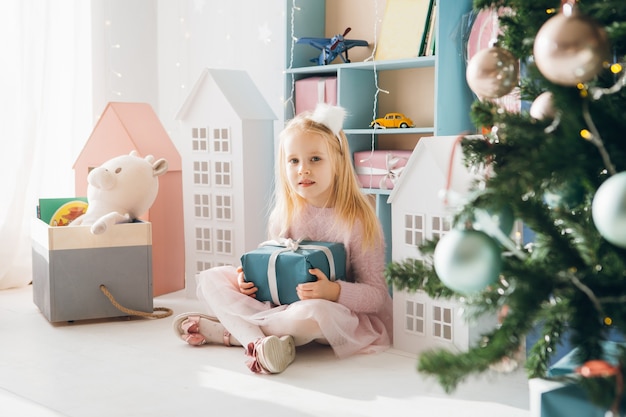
point(334, 47)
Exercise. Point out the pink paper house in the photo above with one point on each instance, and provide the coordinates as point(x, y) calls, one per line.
point(122, 128)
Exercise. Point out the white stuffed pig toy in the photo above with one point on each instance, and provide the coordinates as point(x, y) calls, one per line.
point(121, 190)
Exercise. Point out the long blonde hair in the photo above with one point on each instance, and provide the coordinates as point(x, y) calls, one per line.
point(349, 202)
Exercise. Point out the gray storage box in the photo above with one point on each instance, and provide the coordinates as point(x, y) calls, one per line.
point(70, 264)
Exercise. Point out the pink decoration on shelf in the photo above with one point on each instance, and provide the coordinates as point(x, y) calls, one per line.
point(313, 90)
point(380, 168)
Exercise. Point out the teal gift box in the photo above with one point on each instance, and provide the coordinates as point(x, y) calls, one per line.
point(277, 267)
point(561, 399)
point(568, 363)
point(552, 398)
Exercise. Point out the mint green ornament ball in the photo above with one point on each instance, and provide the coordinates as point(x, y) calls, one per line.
point(467, 261)
point(608, 210)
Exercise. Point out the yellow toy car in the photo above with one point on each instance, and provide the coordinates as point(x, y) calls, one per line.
point(392, 120)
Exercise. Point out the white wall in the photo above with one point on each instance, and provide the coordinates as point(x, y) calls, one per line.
point(153, 51)
point(124, 45)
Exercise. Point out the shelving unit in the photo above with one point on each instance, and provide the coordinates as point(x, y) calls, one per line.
point(431, 90)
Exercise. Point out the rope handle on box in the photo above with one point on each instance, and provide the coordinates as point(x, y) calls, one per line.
point(166, 311)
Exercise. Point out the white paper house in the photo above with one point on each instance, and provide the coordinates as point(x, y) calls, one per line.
point(419, 213)
point(227, 154)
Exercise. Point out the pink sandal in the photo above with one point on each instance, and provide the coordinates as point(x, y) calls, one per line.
point(271, 354)
point(187, 327)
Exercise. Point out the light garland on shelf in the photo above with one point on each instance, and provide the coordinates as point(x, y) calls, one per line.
point(290, 101)
point(375, 71)
point(294, 39)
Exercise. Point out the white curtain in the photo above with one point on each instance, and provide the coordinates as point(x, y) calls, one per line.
point(45, 116)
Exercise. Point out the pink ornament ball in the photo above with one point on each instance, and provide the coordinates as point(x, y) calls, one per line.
point(543, 107)
point(492, 72)
point(570, 48)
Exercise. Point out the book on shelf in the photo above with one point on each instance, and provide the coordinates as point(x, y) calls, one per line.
point(429, 29)
point(429, 48)
point(61, 211)
point(403, 29)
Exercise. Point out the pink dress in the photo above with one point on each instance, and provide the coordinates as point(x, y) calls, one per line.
point(359, 322)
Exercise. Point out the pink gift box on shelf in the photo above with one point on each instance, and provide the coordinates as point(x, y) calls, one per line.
point(380, 168)
point(313, 90)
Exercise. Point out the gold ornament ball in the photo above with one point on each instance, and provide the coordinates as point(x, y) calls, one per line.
point(543, 107)
point(570, 48)
point(492, 72)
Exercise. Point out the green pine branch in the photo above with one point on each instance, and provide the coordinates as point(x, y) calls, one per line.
point(571, 283)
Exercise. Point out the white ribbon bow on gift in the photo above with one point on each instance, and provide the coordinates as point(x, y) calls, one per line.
point(389, 172)
point(291, 245)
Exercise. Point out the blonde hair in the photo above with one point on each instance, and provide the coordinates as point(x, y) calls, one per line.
point(348, 200)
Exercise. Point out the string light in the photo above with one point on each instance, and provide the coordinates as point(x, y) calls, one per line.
point(375, 72)
point(185, 37)
point(114, 74)
point(598, 92)
point(595, 138)
point(585, 134)
point(290, 100)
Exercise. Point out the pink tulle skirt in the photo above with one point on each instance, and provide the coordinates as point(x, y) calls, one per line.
point(307, 320)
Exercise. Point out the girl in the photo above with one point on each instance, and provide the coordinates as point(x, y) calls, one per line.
point(317, 197)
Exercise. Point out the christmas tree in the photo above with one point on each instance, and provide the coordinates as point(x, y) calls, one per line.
point(559, 168)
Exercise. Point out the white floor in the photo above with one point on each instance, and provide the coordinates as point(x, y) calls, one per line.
point(137, 367)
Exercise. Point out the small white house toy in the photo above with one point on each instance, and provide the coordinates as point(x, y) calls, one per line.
point(120, 190)
point(227, 147)
point(419, 213)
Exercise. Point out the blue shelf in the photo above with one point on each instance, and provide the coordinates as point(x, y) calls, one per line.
point(394, 65)
point(356, 82)
point(375, 191)
point(408, 131)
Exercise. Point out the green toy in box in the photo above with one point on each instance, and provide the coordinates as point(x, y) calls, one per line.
point(277, 267)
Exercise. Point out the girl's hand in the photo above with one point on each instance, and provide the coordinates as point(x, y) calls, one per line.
point(245, 287)
point(323, 288)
